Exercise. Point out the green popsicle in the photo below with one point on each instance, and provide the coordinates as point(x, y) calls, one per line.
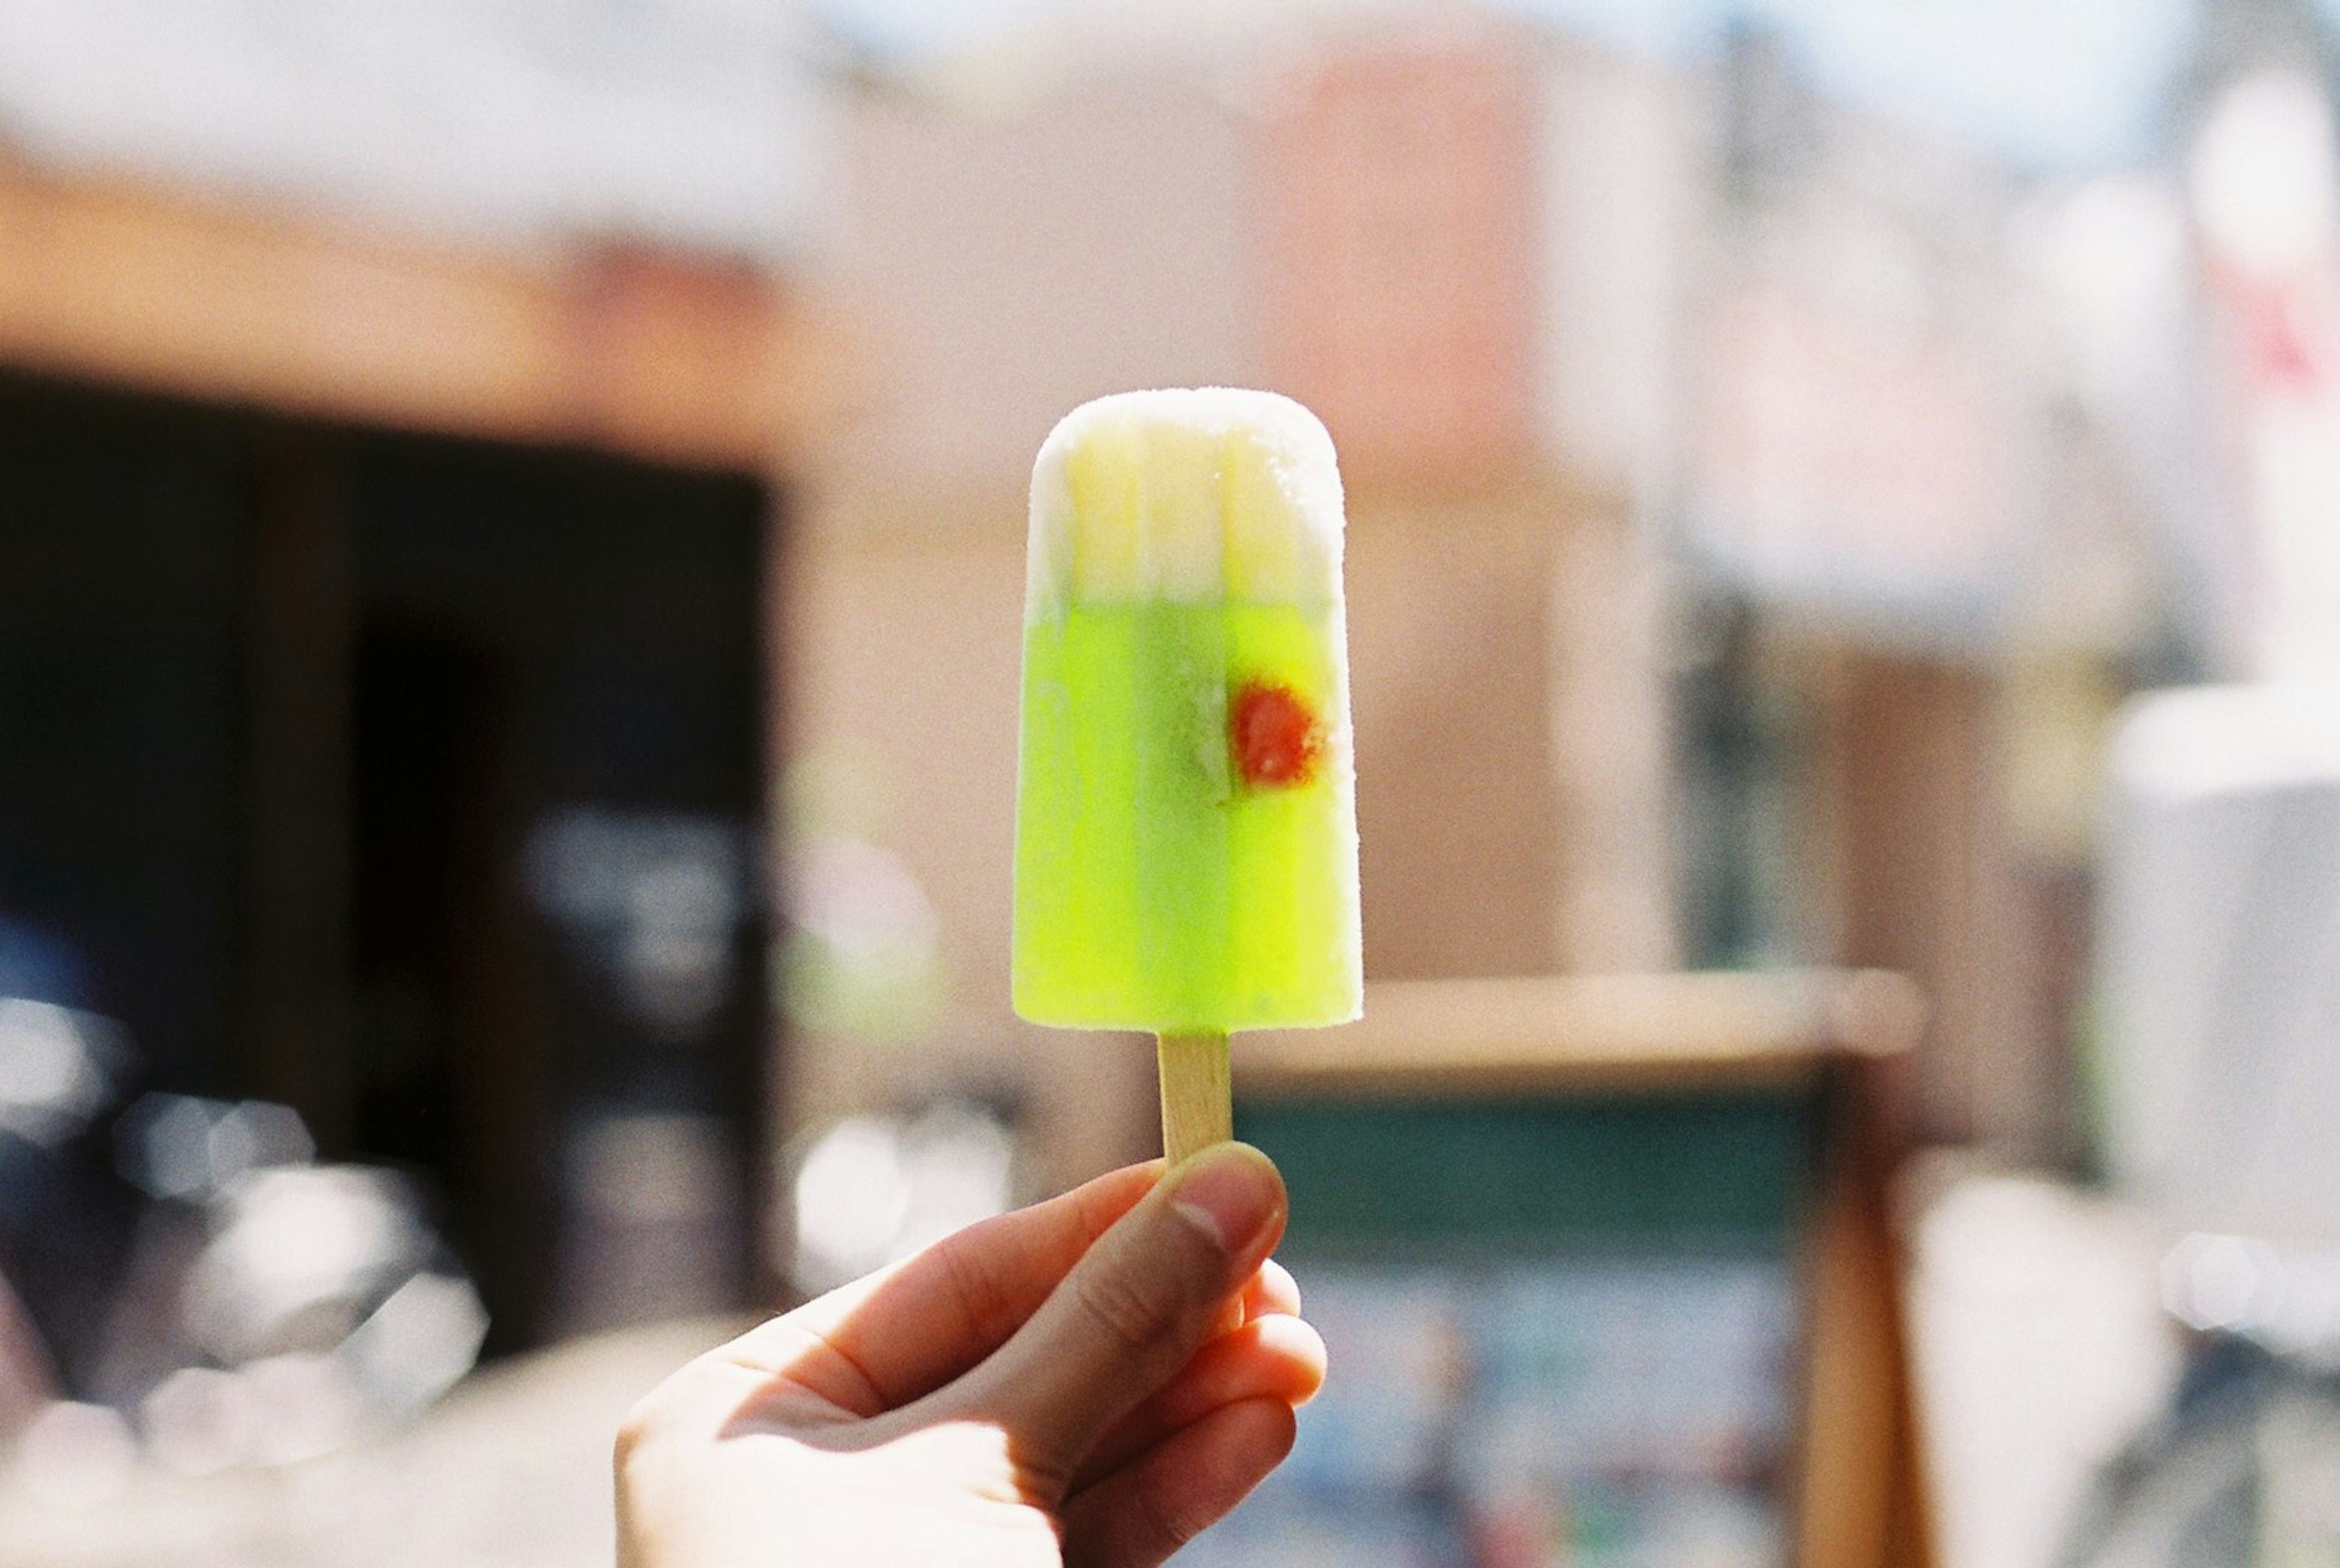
point(1186, 848)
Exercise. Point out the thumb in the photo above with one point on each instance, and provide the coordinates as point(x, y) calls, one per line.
point(1132, 1312)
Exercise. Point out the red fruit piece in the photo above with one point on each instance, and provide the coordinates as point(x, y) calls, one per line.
point(1274, 735)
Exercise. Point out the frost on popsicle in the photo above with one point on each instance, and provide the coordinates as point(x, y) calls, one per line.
point(1186, 821)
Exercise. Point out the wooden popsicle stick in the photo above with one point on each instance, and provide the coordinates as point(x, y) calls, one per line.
point(1197, 1095)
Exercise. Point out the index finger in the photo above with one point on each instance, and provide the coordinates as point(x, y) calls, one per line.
point(904, 1332)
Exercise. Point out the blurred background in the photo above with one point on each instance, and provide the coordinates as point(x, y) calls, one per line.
point(512, 531)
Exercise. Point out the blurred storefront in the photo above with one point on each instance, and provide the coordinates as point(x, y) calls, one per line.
point(397, 472)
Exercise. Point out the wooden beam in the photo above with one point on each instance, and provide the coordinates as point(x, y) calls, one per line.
point(1585, 1032)
point(1859, 1496)
point(699, 362)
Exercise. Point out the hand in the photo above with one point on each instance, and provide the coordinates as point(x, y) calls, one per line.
point(1089, 1380)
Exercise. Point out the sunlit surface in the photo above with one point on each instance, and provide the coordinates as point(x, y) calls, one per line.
point(273, 1309)
point(56, 1068)
point(2263, 175)
point(687, 120)
point(872, 1190)
point(864, 954)
point(2219, 905)
point(179, 1147)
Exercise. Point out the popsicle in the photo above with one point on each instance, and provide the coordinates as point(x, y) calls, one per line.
point(1186, 828)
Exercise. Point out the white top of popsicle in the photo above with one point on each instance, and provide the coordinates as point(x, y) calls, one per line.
point(1194, 493)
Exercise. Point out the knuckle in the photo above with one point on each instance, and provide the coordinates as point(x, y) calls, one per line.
point(981, 1299)
point(1163, 1524)
point(631, 1431)
point(655, 1412)
point(1134, 1312)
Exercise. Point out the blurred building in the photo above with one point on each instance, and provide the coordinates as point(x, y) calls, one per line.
point(397, 409)
point(423, 443)
point(1735, 578)
point(1458, 240)
point(1864, 503)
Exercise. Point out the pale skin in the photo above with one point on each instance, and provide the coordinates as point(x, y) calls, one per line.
point(1089, 1382)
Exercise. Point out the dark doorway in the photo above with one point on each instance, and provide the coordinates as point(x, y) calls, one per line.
point(417, 783)
point(558, 730)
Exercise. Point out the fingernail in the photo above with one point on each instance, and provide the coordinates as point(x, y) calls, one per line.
point(1230, 1193)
